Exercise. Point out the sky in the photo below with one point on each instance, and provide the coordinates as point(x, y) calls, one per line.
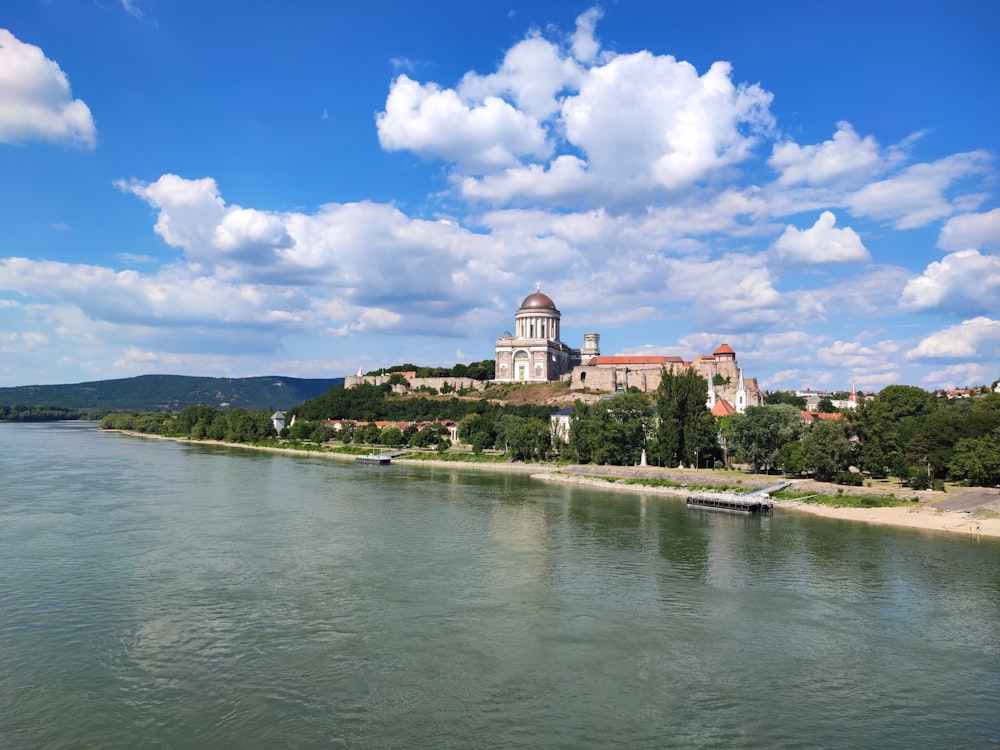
point(312, 188)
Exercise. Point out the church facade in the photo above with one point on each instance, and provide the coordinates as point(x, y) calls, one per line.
point(534, 353)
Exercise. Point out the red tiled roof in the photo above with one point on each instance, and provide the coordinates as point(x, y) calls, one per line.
point(625, 360)
point(724, 349)
point(812, 416)
point(722, 408)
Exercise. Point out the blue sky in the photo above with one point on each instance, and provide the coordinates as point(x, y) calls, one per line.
point(311, 188)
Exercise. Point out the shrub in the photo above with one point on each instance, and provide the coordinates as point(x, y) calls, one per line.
point(849, 478)
point(919, 479)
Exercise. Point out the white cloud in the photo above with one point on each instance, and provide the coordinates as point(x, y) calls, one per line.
point(132, 8)
point(532, 76)
point(967, 374)
point(561, 126)
point(244, 230)
point(188, 210)
point(585, 46)
point(844, 157)
point(167, 298)
point(136, 358)
point(965, 282)
point(856, 355)
point(860, 296)
point(916, 196)
point(565, 178)
point(36, 103)
point(980, 231)
point(821, 243)
point(731, 294)
point(437, 123)
point(690, 124)
point(974, 339)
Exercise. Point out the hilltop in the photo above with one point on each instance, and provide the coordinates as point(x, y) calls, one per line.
point(172, 393)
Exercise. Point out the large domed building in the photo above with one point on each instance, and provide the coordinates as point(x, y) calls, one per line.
point(534, 353)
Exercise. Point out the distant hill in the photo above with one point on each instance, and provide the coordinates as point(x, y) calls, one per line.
point(173, 392)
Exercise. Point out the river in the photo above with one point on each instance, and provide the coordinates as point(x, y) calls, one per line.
point(161, 595)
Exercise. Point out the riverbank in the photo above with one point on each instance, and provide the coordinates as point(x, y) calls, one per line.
point(921, 515)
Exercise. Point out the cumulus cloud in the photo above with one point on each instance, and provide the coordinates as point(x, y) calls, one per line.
point(731, 294)
point(821, 243)
point(436, 123)
point(555, 125)
point(845, 156)
point(585, 46)
point(163, 299)
point(532, 76)
point(188, 210)
point(957, 376)
point(980, 231)
point(36, 103)
point(690, 124)
point(857, 356)
point(974, 339)
point(916, 196)
point(965, 282)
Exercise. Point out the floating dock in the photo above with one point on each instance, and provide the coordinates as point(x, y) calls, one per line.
point(758, 501)
point(375, 459)
point(734, 503)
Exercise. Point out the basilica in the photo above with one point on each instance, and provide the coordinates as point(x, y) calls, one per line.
point(535, 353)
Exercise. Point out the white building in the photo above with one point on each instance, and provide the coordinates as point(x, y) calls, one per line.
point(534, 353)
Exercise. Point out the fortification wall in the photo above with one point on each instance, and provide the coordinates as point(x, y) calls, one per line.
point(458, 384)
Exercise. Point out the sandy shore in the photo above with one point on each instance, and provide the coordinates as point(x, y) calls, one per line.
point(921, 515)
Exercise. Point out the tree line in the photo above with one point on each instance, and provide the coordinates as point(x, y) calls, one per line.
point(903, 432)
point(482, 370)
point(368, 403)
point(197, 422)
point(32, 413)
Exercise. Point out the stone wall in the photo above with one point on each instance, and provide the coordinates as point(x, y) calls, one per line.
point(458, 384)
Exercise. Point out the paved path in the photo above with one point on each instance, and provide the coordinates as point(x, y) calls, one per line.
point(968, 499)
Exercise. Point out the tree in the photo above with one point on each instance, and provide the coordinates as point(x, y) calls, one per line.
point(791, 458)
point(613, 431)
point(582, 435)
point(825, 406)
point(977, 460)
point(896, 402)
point(391, 436)
point(784, 397)
point(757, 436)
point(826, 450)
point(477, 429)
point(686, 431)
point(526, 438)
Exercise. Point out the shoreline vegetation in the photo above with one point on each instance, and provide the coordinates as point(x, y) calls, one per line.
point(898, 507)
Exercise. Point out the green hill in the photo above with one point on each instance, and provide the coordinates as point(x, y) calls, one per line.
point(172, 392)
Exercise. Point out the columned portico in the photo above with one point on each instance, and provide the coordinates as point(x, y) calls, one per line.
point(534, 353)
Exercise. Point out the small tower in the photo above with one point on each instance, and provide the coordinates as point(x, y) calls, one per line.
point(710, 403)
point(591, 346)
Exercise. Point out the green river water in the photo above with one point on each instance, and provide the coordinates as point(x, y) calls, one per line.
point(160, 595)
